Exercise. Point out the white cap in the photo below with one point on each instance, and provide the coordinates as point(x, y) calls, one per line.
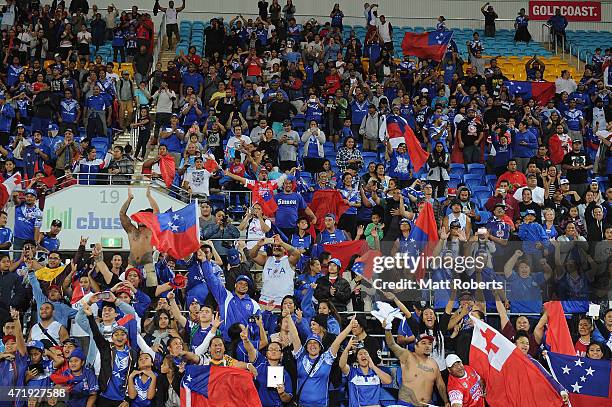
point(451, 360)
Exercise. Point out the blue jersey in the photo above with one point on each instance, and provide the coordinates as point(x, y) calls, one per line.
point(289, 206)
point(26, 220)
point(313, 111)
point(117, 383)
point(82, 386)
point(97, 103)
point(399, 166)
point(359, 111)
point(364, 389)
point(7, 113)
point(51, 243)
point(315, 394)
point(6, 235)
point(525, 294)
point(352, 196)
point(69, 109)
point(12, 74)
point(337, 236)
point(142, 388)
point(195, 80)
point(268, 395)
point(573, 118)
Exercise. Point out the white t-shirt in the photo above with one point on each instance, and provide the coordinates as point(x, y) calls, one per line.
point(198, 181)
point(84, 37)
point(277, 279)
point(234, 143)
point(255, 232)
point(171, 16)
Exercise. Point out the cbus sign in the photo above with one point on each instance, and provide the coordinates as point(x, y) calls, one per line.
point(572, 10)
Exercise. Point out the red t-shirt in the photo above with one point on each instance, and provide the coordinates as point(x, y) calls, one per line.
point(465, 390)
point(237, 169)
point(581, 348)
point(253, 66)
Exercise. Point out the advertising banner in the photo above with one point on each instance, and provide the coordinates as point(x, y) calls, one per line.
point(572, 10)
point(93, 211)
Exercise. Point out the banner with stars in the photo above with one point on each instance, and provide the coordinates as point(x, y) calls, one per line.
point(586, 380)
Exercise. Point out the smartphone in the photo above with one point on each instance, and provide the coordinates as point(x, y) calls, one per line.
point(104, 295)
point(482, 231)
point(91, 246)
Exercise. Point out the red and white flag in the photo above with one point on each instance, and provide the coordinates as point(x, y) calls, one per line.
point(512, 380)
point(7, 188)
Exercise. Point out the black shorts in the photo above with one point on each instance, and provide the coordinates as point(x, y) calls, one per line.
point(172, 28)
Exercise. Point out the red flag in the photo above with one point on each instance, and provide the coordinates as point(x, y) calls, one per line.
point(558, 335)
point(218, 386)
point(263, 194)
point(176, 233)
point(425, 234)
point(8, 186)
point(326, 201)
point(398, 131)
point(211, 165)
point(512, 380)
point(345, 250)
point(542, 92)
point(364, 264)
point(167, 166)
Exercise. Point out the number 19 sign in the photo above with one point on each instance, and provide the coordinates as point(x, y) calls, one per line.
point(93, 211)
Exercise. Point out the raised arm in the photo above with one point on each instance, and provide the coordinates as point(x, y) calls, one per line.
point(398, 351)
point(126, 222)
point(20, 341)
point(248, 345)
point(343, 361)
point(343, 335)
point(293, 333)
point(538, 331)
point(175, 311)
point(511, 262)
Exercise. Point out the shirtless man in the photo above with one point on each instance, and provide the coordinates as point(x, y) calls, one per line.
point(141, 250)
point(419, 371)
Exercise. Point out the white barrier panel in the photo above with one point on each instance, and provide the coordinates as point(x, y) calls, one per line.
point(93, 211)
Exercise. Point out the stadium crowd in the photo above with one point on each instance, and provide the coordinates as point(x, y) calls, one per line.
point(274, 114)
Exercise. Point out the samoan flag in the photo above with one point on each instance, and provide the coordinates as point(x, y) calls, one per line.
point(364, 264)
point(424, 233)
point(263, 195)
point(176, 233)
point(541, 92)
point(586, 380)
point(218, 386)
point(398, 131)
point(427, 45)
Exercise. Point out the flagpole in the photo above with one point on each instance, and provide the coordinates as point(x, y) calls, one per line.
point(553, 374)
point(197, 219)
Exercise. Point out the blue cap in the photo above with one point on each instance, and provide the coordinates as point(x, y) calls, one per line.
point(331, 215)
point(233, 257)
point(31, 191)
point(529, 212)
point(243, 277)
point(77, 353)
point(120, 328)
point(316, 338)
point(36, 345)
point(337, 262)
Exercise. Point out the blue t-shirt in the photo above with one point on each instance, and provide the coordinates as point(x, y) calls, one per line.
point(315, 394)
point(353, 196)
point(97, 103)
point(26, 219)
point(195, 80)
point(142, 388)
point(525, 294)
point(337, 236)
point(364, 389)
point(83, 386)
point(117, 383)
point(6, 235)
point(268, 395)
point(50, 243)
point(289, 205)
point(69, 109)
point(13, 372)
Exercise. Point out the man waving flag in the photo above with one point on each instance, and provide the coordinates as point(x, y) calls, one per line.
point(397, 130)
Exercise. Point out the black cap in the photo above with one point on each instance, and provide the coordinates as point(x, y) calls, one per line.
point(56, 222)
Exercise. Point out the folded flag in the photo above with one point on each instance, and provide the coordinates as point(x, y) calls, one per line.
point(218, 386)
point(586, 380)
point(541, 92)
point(176, 233)
point(427, 45)
point(167, 166)
point(512, 380)
point(386, 312)
point(558, 335)
point(8, 186)
point(398, 131)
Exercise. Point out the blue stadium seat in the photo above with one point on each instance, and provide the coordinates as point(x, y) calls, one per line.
point(476, 179)
point(299, 122)
point(476, 168)
point(369, 156)
point(457, 169)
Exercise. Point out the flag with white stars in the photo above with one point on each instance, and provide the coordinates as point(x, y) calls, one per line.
point(586, 380)
point(427, 45)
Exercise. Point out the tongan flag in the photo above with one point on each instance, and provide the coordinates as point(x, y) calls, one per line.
point(511, 379)
point(427, 45)
point(398, 131)
point(218, 386)
point(586, 380)
point(541, 92)
point(167, 166)
point(176, 233)
point(558, 335)
point(424, 234)
point(8, 186)
point(345, 250)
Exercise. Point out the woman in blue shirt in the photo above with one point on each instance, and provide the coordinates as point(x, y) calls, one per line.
point(365, 379)
point(142, 382)
point(314, 366)
point(352, 197)
point(82, 381)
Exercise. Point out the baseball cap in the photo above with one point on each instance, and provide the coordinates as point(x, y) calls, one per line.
point(123, 290)
point(466, 294)
point(404, 220)
point(424, 90)
point(20, 125)
point(500, 205)
point(337, 262)
point(56, 222)
point(562, 182)
point(31, 191)
point(316, 338)
point(120, 328)
point(72, 341)
point(425, 337)
point(452, 359)
point(331, 215)
point(36, 345)
point(455, 224)
point(55, 287)
point(244, 277)
point(7, 338)
point(233, 257)
point(529, 212)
